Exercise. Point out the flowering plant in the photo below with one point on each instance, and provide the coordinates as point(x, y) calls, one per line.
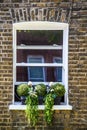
point(32, 94)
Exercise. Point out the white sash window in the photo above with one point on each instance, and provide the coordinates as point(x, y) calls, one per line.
point(40, 54)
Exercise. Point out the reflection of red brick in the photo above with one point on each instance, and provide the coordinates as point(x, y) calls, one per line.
point(48, 55)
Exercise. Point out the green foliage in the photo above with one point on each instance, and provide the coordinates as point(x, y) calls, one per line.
point(40, 89)
point(49, 102)
point(32, 100)
point(22, 89)
point(32, 108)
point(58, 89)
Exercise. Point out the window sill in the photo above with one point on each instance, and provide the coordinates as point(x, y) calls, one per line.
point(40, 107)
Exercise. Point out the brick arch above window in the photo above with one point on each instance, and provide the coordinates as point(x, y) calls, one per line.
point(57, 13)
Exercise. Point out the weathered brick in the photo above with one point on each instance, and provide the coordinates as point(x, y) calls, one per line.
point(75, 13)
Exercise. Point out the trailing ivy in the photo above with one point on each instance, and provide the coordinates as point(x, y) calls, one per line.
point(32, 108)
point(32, 94)
point(49, 102)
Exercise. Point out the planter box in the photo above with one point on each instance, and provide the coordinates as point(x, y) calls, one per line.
point(57, 100)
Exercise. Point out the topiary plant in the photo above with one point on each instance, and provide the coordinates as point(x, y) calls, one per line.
point(40, 89)
point(22, 89)
point(57, 89)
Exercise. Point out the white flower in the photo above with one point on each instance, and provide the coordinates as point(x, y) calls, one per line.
point(52, 90)
point(51, 83)
point(30, 83)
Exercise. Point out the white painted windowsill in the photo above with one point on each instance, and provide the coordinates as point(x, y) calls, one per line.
point(40, 107)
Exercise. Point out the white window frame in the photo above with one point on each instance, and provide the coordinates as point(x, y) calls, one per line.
point(42, 25)
point(42, 58)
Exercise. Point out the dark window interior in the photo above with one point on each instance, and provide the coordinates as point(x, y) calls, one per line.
point(50, 74)
point(38, 38)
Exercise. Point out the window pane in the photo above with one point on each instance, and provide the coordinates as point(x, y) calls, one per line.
point(58, 70)
point(35, 60)
point(48, 55)
point(59, 74)
point(58, 60)
point(39, 37)
point(36, 74)
point(21, 74)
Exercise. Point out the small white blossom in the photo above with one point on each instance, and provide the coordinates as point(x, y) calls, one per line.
point(52, 90)
point(30, 83)
point(51, 83)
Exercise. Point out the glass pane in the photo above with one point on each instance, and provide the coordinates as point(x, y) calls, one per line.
point(36, 73)
point(35, 60)
point(53, 74)
point(39, 37)
point(21, 74)
point(59, 74)
point(58, 71)
point(58, 60)
point(48, 55)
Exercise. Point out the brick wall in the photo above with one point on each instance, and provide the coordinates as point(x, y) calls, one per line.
point(75, 13)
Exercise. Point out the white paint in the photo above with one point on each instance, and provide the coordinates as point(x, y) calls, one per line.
point(40, 107)
point(42, 25)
